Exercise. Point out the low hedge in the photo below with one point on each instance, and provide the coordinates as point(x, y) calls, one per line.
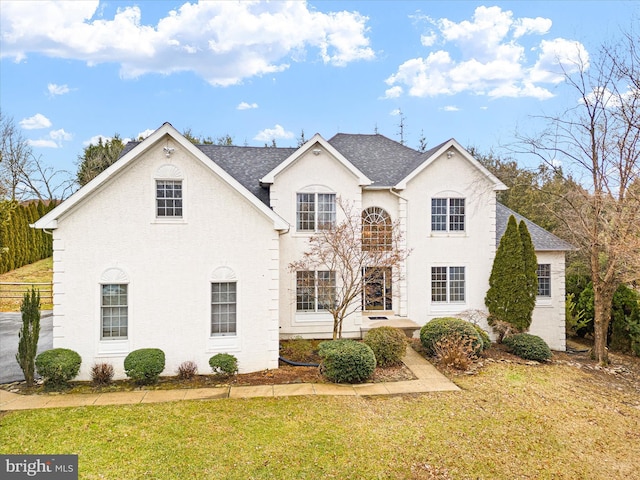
point(346, 361)
point(389, 344)
point(58, 365)
point(145, 365)
point(224, 364)
point(527, 346)
point(439, 328)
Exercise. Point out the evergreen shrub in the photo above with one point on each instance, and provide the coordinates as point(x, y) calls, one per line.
point(145, 365)
point(527, 346)
point(389, 344)
point(224, 364)
point(438, 328)
point(57, 366)
point(346, 361)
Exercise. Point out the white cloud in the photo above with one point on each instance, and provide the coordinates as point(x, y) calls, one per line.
point(35, 122)
point(60, 135)
point(223, 42)
point(54, 139)
point(246, 106)
point(57, 89)
point(144, 134)
point(275, 133)
point(487, 56)
point(395, 112)
point(450, 108)
point(43, 143)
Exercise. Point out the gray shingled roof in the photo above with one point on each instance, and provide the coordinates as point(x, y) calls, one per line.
point(542, 239)
point(248, 164)
point(383, 160)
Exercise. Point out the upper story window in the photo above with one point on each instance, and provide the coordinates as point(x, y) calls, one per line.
point(376, 229)
point(447, 214)
point(544, 280)
point(315, 211)
point(448, 284)
point(169, 198)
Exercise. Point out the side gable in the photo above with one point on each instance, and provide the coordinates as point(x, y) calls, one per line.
point(316, 142)
point(49, 221)
point(543, 241)
point(444, 148)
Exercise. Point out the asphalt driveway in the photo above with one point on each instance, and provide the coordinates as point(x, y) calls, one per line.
point(10, 324)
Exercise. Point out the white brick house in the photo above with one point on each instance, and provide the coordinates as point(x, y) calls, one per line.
point(186, 247)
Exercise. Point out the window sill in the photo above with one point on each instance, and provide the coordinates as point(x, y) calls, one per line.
point(169, 221)
point(448, 234)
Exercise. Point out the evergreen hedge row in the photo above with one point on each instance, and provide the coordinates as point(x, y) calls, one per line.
point(20, 244)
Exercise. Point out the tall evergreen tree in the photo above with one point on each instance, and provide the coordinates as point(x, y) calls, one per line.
point(507, 284)
point(29, 334)
point(530, 271)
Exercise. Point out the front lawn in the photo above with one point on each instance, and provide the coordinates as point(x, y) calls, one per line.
point(509, 421)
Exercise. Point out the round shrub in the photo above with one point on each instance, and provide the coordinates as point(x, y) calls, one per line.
point(224, 364)
point(438, 328)
point(346, 361)
point(145, 365)
point(389, 344)
point(484, 336)
point(58, 366)
point(527, 346)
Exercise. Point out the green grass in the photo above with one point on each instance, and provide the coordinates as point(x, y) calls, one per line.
point(38, 272)
point(510, 421)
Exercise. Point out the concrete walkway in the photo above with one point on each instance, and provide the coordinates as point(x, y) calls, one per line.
point(429, 380)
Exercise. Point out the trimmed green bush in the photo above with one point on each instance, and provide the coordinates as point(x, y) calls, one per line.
point(389, 344)
point(145, 365)
point(438, 328)
point(484, 336)
point(224, 364)
point(527, 346)
point(346, 361)
point(57, 366)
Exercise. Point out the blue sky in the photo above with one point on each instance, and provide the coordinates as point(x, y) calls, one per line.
point(73, 71)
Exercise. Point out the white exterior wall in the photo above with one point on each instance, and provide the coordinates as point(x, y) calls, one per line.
point(320, 173)
point(169, 266)
point(473, 249)
point(549, 315)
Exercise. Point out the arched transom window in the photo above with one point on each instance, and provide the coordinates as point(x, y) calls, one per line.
point(376, 229)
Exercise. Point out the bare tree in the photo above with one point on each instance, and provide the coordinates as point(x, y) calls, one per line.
point(353, 261)
point(22, 174)
point(15, 152)
point(598, 142)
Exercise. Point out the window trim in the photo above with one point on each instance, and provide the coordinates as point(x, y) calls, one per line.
point(110, 338)
point(316, 212)
point(316, 295)
point(546, 282)
point(235, 312)
point(179, 199)
point(451, 286)
point(450, 217)
point(377, 229)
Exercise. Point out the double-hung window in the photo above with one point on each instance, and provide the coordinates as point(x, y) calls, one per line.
point(114, 312)
point(169, 198)
point(448, 284)
point(544, 280)
point(315, 211)
point(315, 290)
point(223, 308)
point(447, 214)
